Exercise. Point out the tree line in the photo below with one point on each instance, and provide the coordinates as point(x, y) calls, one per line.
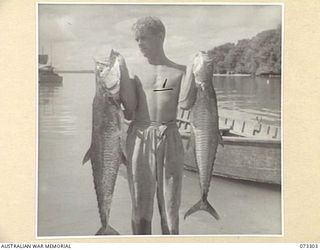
point(260, 55)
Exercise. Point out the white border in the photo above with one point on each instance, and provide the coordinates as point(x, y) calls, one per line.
point(204, 236)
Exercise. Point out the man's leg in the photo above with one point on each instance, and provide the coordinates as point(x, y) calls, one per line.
point(170, 181)
point(141, 179)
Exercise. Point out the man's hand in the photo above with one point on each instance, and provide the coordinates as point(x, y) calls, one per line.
point(188, 90)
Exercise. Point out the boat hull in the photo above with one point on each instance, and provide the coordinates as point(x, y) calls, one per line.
point(242, 158)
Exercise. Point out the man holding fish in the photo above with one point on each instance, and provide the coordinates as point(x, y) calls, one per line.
point(154, 148)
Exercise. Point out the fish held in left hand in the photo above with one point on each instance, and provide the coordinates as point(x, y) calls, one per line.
point(205, 129)
point(106, 152)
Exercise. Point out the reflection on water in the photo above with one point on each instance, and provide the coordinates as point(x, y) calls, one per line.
point(61, 107)
point(56, 116)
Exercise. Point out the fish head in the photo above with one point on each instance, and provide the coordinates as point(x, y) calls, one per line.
point(108, 75)
point(202, 68)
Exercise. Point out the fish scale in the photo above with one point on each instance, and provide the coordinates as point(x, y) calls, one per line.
point(203, 127)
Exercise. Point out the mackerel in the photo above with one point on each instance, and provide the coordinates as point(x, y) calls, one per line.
point(204, 121)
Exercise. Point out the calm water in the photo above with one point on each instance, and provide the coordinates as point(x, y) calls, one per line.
point(249, 97)
point(66, 198)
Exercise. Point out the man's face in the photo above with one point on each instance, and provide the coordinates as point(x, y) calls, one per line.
point(148, 42)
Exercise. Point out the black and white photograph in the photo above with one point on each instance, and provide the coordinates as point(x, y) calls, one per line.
point(159, 119)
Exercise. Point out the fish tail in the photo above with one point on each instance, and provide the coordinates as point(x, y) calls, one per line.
point(87, 156)
point(108, 230)
point(205, 206)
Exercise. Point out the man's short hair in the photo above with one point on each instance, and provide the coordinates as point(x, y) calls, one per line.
point(149, 23)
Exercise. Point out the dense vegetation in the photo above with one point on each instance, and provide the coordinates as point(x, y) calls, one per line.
point(259, 55)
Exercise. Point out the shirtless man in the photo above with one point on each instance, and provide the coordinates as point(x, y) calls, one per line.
point(154, 146)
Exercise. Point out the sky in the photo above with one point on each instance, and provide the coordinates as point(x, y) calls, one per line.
point(72, 34)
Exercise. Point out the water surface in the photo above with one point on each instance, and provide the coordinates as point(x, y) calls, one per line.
point(246, 97)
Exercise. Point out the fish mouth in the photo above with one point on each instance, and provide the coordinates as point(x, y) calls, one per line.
point(109, 74)
point(203, 67)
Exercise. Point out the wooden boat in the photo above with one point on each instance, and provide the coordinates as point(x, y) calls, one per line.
point(252, 151)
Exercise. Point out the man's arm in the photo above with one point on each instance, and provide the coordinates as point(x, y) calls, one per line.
point(188, 90)
point(128, 94)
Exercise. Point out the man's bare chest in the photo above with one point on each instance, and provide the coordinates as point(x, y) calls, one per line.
point(159, 81)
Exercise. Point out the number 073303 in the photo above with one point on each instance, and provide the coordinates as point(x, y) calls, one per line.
point(308, 245)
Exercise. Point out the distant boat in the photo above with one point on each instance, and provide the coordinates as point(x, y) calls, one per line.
point(47, 74)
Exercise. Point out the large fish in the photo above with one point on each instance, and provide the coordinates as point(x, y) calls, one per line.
point(205, 128)
point(105, 151)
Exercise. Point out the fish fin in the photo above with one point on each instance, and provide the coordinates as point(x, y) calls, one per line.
point(220, 140)
point(124, 159)
point(107, 231)
point(87, 156)
point(205, 206)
